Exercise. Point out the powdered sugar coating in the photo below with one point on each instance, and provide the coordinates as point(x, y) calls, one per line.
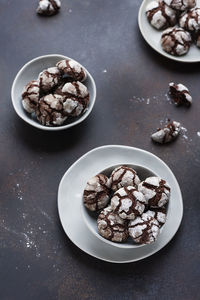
point(76, 98)
point(72, 69)
point(111, 226)
point(159, 214)
point(191, 20)
point(180, 94)
point(30, 96)
point(50, 110)
point(181, 5)
point(49, 79)
point(76, 89)
point(176, 41)
point(167, 134)
point(160, 15)
point(48, 7)
point(97, 192)
point(144, 229)
point(155, 190)
point(128, 203)
point(123, 176)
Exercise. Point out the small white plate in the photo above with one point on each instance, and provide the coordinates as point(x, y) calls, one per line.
point(30, 71)
point(70, 194)
point(152, 36)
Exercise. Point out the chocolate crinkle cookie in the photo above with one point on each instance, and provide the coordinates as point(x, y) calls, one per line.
point(144, 229)
point(97, 192)
point(160, 15)
point(155, 190)
point(176, 41)
point(50, 110)
point(49, 79)
point(159, 214)
point(180, 94)
point(128, 203)
point(166, 134)
point(72, 69)
point(30, 96)
point(111, 226)
point(123, 176)
point(191, 20)
point(181, 5)
point(48, 7)
point(76, 98)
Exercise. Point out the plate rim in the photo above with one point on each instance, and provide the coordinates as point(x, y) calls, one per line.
point(94, 255)
point(162, 53)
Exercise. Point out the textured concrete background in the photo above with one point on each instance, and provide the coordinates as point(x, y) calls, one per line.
point(37, 261)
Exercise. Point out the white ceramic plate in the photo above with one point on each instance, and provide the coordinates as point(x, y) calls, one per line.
point(70, 199)
point(30, 71)
point(153, 36)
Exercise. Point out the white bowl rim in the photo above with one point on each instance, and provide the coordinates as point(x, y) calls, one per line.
point(175, 58)
point(38, 125)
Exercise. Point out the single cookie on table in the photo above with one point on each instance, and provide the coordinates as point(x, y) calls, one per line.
point(50, 110)
point(176, 41)
point(111, 226)
point(96, 194)
point(48, 7)
point(159, 214)
point(30, 96)
point(49, 79)
point(191, 21)
point(156, 191)
point(76, 98)
point(128, 203)
point(123, 176)
point(72, 69)
point(166, 134)
point(144, 229)
point(160, 15)
point(180, 94)
point(181, 5)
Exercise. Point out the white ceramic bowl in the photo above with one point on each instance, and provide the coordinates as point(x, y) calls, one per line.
point(30, 71)
point(90, 218)
point(70, 199)
point(152, 36)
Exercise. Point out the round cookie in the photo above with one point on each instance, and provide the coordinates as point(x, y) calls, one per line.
point(49, 79)
point(30, 96)
point(50, 110)
point(76, 98)
point(144, 229)
point(167, 134)
point(48, 7)
point(122, 177)
point(111, 226)
point(72, 69)
point(128, 203)
point(155, 190)
point(181, 5)
point(160, 15)
point(176, 41)
point(96, 194)
point(191, 20)
point(180, 94)
point(159, 214)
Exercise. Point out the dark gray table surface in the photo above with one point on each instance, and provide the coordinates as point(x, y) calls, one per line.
point(37, 260)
